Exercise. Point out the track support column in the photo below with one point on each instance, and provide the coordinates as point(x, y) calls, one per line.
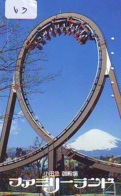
point(56, 160)
point(59, 160)
point(7, 124)
point(116, 91)
point(52, 160)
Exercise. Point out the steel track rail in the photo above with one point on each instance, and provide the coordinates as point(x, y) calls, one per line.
point(41, 152)
point(21, 94)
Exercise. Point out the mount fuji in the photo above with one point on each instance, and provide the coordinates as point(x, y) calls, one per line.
point(96, 143)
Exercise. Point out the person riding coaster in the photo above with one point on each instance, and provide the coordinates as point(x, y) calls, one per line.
point(46, 35)
point(52, 32)
point(57, 29)
point(34, 45)
point(68, 30)
point(40, 39)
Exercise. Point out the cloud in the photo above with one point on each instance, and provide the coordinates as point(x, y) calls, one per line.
point(14, 127)
point(17, 117)
point(20, 114)
point(1, 124)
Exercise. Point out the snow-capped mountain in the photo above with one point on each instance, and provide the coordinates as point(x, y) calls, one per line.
point(98, 142)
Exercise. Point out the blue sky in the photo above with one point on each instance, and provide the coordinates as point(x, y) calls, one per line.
point(63, 97)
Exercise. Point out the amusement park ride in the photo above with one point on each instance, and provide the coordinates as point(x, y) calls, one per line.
point(83, 29)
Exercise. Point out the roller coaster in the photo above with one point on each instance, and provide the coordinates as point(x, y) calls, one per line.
point(83, 30)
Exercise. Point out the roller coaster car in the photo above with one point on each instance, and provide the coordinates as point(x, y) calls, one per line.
point(77, 27)
point(52, 32)
point(83, 40)
point(68, 30)
point(46, 35)
point(34, 45)
point(83, 27)
point(71, 25)
point(77, 33)
point(64, 29)
point(57, 30)
point(72, 28)
point(76, 36)
point(92, 36)
point(83, 37)
point(39, 47)
point(31, 46)
point(73, 31)
point(41, 40)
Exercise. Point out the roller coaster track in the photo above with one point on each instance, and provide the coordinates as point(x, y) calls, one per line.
point(83, 29)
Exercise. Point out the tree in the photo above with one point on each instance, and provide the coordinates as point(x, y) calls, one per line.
point(11, 43)
point(40, 164)
point(30, 171)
